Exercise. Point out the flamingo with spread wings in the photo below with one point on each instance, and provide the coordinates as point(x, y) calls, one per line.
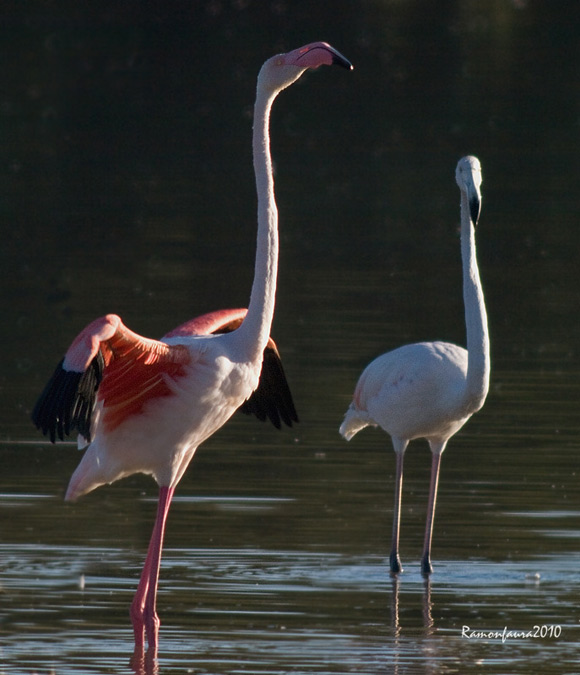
point(144, 406)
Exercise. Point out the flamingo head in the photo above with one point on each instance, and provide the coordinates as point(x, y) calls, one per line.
point(468, 177)
point(280, 71)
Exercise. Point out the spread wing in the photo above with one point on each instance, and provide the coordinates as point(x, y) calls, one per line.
point(272, 399)
point(125, 370)
point(107, 360)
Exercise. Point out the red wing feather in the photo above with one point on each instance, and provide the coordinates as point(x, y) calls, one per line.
point(124, 368)
point(135, 372)
point(129, 382)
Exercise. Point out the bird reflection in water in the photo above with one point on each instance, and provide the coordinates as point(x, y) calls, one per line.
point(399, 663)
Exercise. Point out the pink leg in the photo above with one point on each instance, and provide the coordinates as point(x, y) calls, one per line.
point(394, 558)
point(426, 567)
point(143, 611)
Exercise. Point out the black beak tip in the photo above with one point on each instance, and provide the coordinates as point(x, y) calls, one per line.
point(339, 60)
point(474, 210)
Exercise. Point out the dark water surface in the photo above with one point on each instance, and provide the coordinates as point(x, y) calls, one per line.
point(126, 186)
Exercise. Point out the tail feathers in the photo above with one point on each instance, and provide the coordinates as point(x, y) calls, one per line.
point(78, 486)
point(94, 469)
point(354, 421)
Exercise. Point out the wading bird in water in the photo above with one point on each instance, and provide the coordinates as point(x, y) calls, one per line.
point(144, 406)
point(430, 389)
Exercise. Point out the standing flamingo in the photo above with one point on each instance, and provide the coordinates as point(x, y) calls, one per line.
point(143, 405)
point(430, 389)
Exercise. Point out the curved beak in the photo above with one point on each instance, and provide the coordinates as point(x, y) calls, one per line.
point(317, 54)
point(339, 60)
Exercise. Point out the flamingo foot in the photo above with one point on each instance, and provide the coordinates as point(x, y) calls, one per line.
point(138, 629)
point(138, 611)
point(395, 562)
point(143, 664)
point(426, 566)
point(146, 624)
point(152, 624)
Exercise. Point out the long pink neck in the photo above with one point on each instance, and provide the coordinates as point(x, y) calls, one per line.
point(255, 329)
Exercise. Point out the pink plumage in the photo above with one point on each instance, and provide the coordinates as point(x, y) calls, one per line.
point(145, 405)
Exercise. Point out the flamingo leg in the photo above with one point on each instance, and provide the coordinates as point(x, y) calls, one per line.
point(394, 558)
point(426, 567)
point(143, 608)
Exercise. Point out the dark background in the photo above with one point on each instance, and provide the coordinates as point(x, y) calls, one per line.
point(126, 186)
